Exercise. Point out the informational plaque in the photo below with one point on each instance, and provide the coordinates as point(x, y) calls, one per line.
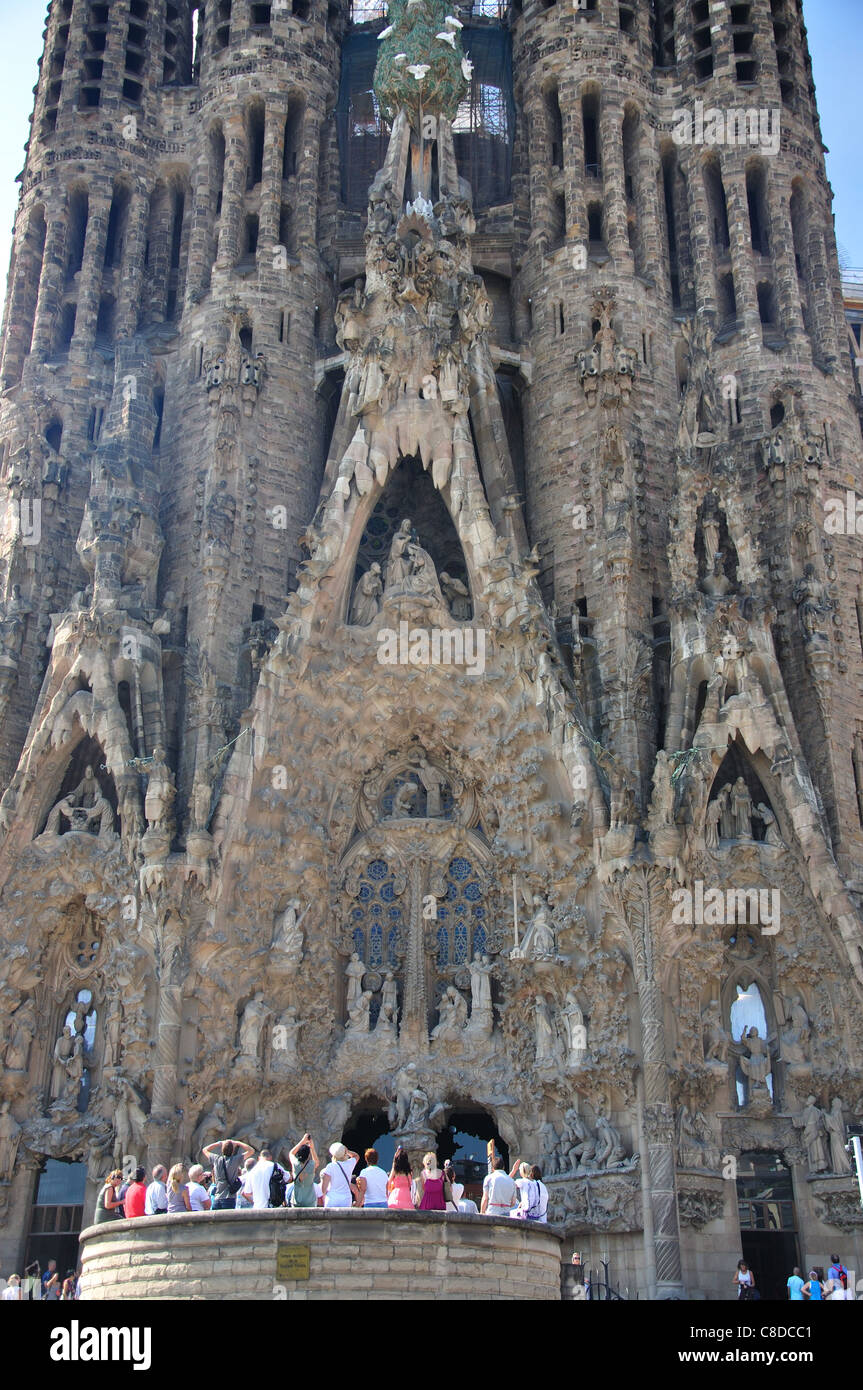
point(292, 1262)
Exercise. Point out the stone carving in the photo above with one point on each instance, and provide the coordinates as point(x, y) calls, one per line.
point(481, 1009)
point(810, 595)
point(452, 1015)
point(457, 595)
point(354, 972)
point(696, 1145)
point(698, 1209)
point(795, 1033)
point(159, 800)
point(772, 835)
point(367, 597)
point(284, 1041)
point(811, 1120)
point(546, 1033)
point(83, 807)
point(359, 1012)
point(538, 941)
point(834, 1124)
point(10, 1136)
point(433, 781)
point(286, 951)
point(576, 1032)
point(252, 1023)
point(22, 1030)
point(410, 568)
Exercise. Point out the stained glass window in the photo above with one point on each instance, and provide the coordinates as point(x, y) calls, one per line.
point(461, 916)
point(376, 919)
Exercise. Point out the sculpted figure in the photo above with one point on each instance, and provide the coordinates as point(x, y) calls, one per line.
point(834, 1123)
point(367, 597)
point(546, 1038)
point(22, 1030)
point(386, 1024)
point(576, 1033)
point(772, 835)
point(726, 814)
point(716, 1039)
point(82, 807)
point(212, 1126)
point(577, 1145)
point(609, 1149)
point(796, 1032)
point(811, 1121)
point(354, 972)
point(285, 1032)
point(810, 596)
point(711, 823)
point(741, 809)
point(287, 947)
point(161, 791)
point(64, 1047)
point(757, 1065)
point(432, 781)
point(481, 1013)
point(548, 1142)
point(390, 994)
point(10, 1135)
point(418, 1115)
point(399, 564)
point(405, 1082)
point(255, 1015)
point(358, 1014)
point(540, 935)
point(404, 799)
point(457, 595)
point(452, 1014)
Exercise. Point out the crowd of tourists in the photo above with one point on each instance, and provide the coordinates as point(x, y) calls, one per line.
point(237, 1178)
point(813, 1288)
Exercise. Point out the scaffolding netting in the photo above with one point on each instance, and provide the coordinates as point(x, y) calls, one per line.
point(483, 128)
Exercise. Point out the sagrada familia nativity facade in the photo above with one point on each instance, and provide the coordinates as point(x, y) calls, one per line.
point(432, 615)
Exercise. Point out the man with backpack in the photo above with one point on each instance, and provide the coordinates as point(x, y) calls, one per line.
point(267, 1183)
point(227, 1157)
point(839, 1275)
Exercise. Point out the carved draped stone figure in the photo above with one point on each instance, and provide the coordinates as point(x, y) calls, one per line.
point(367, 597)
point(546, 1037)
point(576, 1033)
point(82, 807)
point(287, 946)
point(811, 1121)
point(359, 1013)
point(22, 1030)
point(354, 972)
point(10, 1136)
point(834, 1124)
point(481, 1010)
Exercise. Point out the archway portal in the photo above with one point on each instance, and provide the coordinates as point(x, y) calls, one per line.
point(411, 493)
point(369, 1128)
point(465, 1142)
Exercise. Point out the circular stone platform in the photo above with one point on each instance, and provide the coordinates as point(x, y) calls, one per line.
point(320, 1254)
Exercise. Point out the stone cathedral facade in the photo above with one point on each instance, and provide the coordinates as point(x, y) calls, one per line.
point(432, 614)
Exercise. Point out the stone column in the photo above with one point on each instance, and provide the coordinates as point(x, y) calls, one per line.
point(414, 1024)
point(132, 272)
point(233, 192)
point(50, 286)
point(199, 266)
point(573, 165)
point(271, 182)
point(742, 255)
point(90, 275)
point(700, 232)
point(614, 187)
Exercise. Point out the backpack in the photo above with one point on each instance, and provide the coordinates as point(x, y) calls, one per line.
point(220, 1168)
point(278, 1187)
point(843, 1275)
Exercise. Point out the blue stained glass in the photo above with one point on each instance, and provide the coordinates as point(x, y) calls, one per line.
point(395, 914)
point(460, 909)
point(442, 912)
point(479, 940)
point(460, 953)
point(360, 942)
point(460, 869)
point(451, 891)
point(479, 913)
point(377, 869)
point(366, 891)
point(375, 909)
point(376, 945)
point(392, 946)
point(358, 914)
point(388, 891)
point(442, 948)
point(472, 891)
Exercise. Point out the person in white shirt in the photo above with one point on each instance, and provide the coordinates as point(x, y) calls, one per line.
point(532, 1194)
point(156, 1201)
point(198, 1195)
point(242, 1200)
point(337, 1181)
point(12, 1291)
point(498, 1190)
point(371, 1182)
point(257, 1182)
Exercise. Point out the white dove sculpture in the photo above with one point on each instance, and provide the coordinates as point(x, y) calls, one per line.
point(400, 58)
point(452, 23)
point(447, 38)
point(418, 70)
point(467, 67)
point(385, 33)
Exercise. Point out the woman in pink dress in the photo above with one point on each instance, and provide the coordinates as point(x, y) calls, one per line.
point(399, 1182)
point(430, 1186)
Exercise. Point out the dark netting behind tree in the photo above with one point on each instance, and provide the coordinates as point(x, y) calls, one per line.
point(483, 129)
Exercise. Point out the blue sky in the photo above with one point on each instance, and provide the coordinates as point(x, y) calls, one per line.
point(835, 36)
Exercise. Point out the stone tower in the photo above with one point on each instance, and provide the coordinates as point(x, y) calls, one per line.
point(432, 626)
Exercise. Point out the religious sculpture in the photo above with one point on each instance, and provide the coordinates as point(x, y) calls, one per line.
point(577, 1145)
point(359, 1013)
point(546, 1036)
point(286, 951)
point(113, 1033)
point(810, 596)
point(696, 1147)
point(795, 1033)
point(755, 1064)
point(433, 781)
point(452, 1015)
point(254, 1017)
point(712, 822)
point(457, 595)
point(410, 568)
point(10, 1136)
point(390, 994)
point(159, 799)
point(576, 1033)
point(405, 799)
point(741, 809)
point(284, 1040)
point(538, 942)
point(354, 972)
point(82, 807)
point(367, 597)
point(609, 1149)
point(481, 1010)
point(811, 1120)
point(22, 1030)
point(834, 1123)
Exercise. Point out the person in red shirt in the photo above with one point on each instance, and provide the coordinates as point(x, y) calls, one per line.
point(136, 1194)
